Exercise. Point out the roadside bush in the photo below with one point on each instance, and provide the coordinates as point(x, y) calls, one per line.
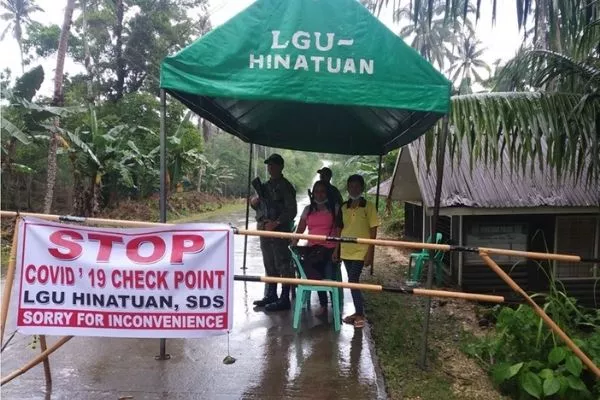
point(528, 361)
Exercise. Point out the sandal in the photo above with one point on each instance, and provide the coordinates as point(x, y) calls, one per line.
point(359, 321)
point(350, 319)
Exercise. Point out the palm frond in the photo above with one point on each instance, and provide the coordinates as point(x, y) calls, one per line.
point(543, 67)
point(565, 17)
point(522, 121)
point(6, 30)
point(589, 42)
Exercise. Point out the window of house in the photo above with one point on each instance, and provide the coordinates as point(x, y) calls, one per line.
point(577, 235)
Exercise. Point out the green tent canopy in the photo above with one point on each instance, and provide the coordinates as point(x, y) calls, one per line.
point(311, 75)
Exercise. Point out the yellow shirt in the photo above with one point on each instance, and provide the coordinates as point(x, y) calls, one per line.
point(357, 223)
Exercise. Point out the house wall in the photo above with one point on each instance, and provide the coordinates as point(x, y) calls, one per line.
point(508, 232)
point(518, 232)
point(537, 234)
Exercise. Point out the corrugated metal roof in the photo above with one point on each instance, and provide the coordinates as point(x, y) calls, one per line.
point(384, 188)
point(486, 186)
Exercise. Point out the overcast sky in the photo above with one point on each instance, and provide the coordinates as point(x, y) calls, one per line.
point(501, 41)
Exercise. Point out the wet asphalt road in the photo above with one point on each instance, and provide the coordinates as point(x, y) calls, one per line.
point(273, 361)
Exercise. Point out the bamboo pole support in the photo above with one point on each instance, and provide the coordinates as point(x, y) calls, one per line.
point(47, 373)
point(530, 254)
point(100, 221)
point(538, 310)
point(41, 357)
point(371, 287)
point(10, 277)
point(285, 235)
point(458, 295)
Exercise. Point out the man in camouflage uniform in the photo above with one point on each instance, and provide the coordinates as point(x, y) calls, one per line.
point(275, 211)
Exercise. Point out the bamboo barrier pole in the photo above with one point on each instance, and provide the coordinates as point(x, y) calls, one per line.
point(416, 245)
point(371, 287)
point(47, 373)
point(539, 311)
point(10, 277)
point(286, 235)
point(100, 221)
point(532, 255)
point(41, 357)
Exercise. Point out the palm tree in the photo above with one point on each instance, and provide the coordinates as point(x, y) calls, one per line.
point(553, 118)
point(18, 15)
point(558, 108)
point(435, 41)
point(555, 22)
point(466, 65)
point(57, 101)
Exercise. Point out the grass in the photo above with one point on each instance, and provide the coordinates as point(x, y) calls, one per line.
point(4, 256)
point(396, 327)
point(182, 207)
point(224, 209)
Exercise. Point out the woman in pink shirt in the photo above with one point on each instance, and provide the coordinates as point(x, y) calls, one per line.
point(321, 217)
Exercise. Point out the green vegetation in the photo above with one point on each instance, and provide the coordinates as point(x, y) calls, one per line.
point(392, 218)
point(4, 255)
point(527, 360)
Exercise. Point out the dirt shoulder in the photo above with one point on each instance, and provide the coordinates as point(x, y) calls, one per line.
point(396, 327)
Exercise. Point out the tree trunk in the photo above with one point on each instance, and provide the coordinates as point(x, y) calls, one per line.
point(206, 130)
point(96, 192)
point(199, 188)
point(58, 101)
point(51, 180)
point(22, 60)
point(19, 37)
point(8, 175)
point(78, 195)
point(541, 28)
point(119, 51)
point(88, 59)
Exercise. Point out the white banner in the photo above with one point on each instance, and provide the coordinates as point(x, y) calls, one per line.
point(164, 282)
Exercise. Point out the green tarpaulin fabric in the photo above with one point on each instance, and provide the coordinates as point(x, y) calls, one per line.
point(312, 75)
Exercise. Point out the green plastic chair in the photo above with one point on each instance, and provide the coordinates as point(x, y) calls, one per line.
point(303, 293)
point(337, 271)
point(422, 257)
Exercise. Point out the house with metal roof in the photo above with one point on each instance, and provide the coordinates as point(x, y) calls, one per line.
point(488, 205)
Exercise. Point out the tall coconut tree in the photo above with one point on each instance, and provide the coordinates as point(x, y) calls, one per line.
point(18, 15)
point(435, 41)
point(560, 21)
point(552, 117)
point(468, 63)
point(563, 119)
point(58, 101)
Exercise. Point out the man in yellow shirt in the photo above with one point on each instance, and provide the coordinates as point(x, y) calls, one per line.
point(360, 221)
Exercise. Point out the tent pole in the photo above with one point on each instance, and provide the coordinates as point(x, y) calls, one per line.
point(377, 197)
point(441, 152)
point(250, 159)
point(163, 189)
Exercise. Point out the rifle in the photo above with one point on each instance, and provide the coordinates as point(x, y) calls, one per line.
point(262, 211)
point(258, 187)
